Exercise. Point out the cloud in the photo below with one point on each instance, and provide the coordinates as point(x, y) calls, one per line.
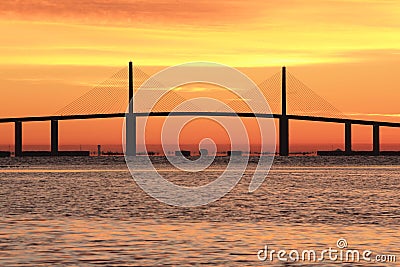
point(192, 89)
point(394, 115)
point(233, 32)
point(258, 13)
point(128, 12)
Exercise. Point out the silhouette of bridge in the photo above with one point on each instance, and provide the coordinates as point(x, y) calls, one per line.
point(279, 90)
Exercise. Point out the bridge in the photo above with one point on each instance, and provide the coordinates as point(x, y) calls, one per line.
point(126, 89)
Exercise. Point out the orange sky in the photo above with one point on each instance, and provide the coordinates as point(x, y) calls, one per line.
point(54, 51)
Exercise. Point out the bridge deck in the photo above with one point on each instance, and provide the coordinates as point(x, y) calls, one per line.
point(225, 114)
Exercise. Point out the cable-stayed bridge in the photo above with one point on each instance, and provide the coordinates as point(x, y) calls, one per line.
point(288, 98)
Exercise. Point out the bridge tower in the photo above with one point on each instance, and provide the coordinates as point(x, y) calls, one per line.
point(284, 121)
point(130, 118)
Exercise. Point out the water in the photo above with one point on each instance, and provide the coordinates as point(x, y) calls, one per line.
point(90, 212)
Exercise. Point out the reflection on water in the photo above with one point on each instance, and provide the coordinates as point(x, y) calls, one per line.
point(90, 212)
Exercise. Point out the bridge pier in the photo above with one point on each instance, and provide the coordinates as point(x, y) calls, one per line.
point(18, 139)
point(130, 118)
point(54, 137)
point(130, 137)
point(284, 136)
point(376, 140)
point(347, 139)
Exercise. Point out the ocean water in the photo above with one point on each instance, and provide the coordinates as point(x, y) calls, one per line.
point(90, 212)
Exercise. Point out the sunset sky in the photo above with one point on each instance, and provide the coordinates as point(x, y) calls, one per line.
point(54, 51)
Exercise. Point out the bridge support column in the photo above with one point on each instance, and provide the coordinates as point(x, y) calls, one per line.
point(347, 139)
point(130, 118)
point(130, 137)
point(284, 136)
point(54, 137)
point(18, 139)
point(376, 140)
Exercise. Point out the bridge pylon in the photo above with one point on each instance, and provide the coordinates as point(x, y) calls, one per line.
point(284, 121)
point(130, 118)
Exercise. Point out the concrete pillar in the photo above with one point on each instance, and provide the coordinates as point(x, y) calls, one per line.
point(54, 137)
point(283, 136)
point(376, 140)
point(18, 139)
point(347, 138)
point(130, 138)
point(284, 121)
point(130, 119)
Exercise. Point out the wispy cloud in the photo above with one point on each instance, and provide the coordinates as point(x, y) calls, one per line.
point(259, 13)
point(193, 89)
point(129, 12)
point(234, 32)
point(394, 115)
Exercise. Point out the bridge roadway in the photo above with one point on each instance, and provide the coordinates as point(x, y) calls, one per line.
point(198, 113)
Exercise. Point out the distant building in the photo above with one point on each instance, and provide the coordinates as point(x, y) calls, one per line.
point(5, 154)
point(185, 153)
point(203, 152)
point(234, 153)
